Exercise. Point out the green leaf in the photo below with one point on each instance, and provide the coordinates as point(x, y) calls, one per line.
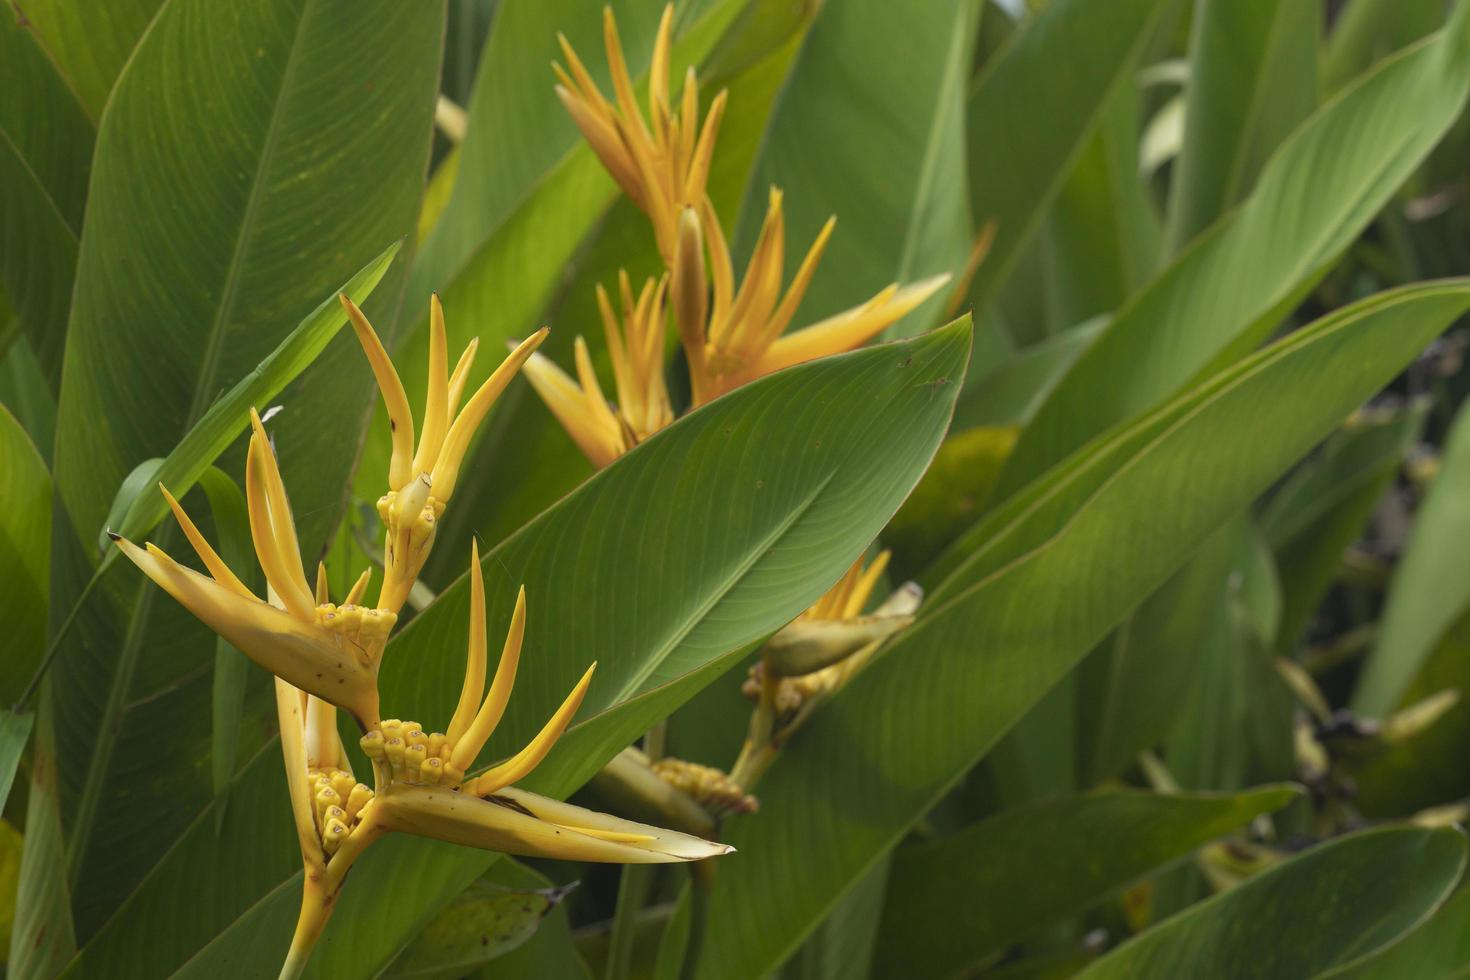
point(15, 731)
point(1235, 282)
point(244, 167)
point(1367, 30)
point(483, 923)
point(876, 140)
point(1324, 505)
point(1013, 393)
point(1139, 681)
point(707, 560)
point(1250, 84)
point(844, 945)
point(45, 153)
point(1438, 948)
point(1431, 584)
point(961, 900)
point(25, 555)
point(42, 938)
point(1100, 241)
point(1018, 166)
point(91, 46)
point(1061, 566)
point(1338, 902)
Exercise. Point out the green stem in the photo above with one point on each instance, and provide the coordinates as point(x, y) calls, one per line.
point(633, 890)
point(701, 882)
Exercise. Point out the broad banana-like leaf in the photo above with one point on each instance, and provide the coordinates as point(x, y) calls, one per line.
point(1062, 564)
point(45, 154)
point(1339, 902)
point(1438, 948)
point(1249, 86)
point(960, 900)
point(704, 560)
point(25, 556)
point(91, 46)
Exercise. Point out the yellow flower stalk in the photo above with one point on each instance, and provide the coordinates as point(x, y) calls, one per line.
point(731, 334)
point(635, 341)
point(328, 650)
point(422, 479)
point(662, 165)
point(420, 784)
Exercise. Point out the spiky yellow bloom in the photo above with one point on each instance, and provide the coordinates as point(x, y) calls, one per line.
point(421, 480)
point(743, 334)
point(635, 341)
point(731, 334)
point(332, 651)
point(662, 165)
point(420, 785)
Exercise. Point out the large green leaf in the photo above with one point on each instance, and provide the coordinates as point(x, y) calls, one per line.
point(1431, 585)
point(1236, 281)
point(91, 45)
point(1250, 84)
point(1366, 30)
point(1439, 949)
point(1061, 565)
point(955, 902)
point(1338, 902)
point(876, 140)
point(244, 167)
point(705, 558)
point(15, 731)
point(45, 152)
point(1028, 121)
point(25, 556)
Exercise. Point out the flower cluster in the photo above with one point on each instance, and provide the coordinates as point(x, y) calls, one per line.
point(326, 655)
point(731, 333)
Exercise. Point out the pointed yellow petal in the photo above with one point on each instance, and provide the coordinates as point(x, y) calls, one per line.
point(323, 595)
point(699, 164)
point(864, 586)
point(395, 399)
point(799, 283)
point(520, 765)
point(457, 442)
point(465, 749)
point(566, 401)
point(691, 301)
point(622, 81)
point(474, 667)
point(436, 406)
point(302, 653)
point(278, 553)
point(520, 823)
point(602, 135)
point(658, 72)
point(845, 331)
point(354, 595)
point(293, 749)
point(207, 554)
point(461, 375)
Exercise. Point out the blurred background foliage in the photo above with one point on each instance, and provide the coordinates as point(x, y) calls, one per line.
point(1186, 695)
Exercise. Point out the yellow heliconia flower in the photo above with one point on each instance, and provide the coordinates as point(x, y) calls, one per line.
point(731, 335)
point(421, 787)
point(420, 482)
point(742, 335)
point(328, 650)
point(661, 165)
point(635, 341)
